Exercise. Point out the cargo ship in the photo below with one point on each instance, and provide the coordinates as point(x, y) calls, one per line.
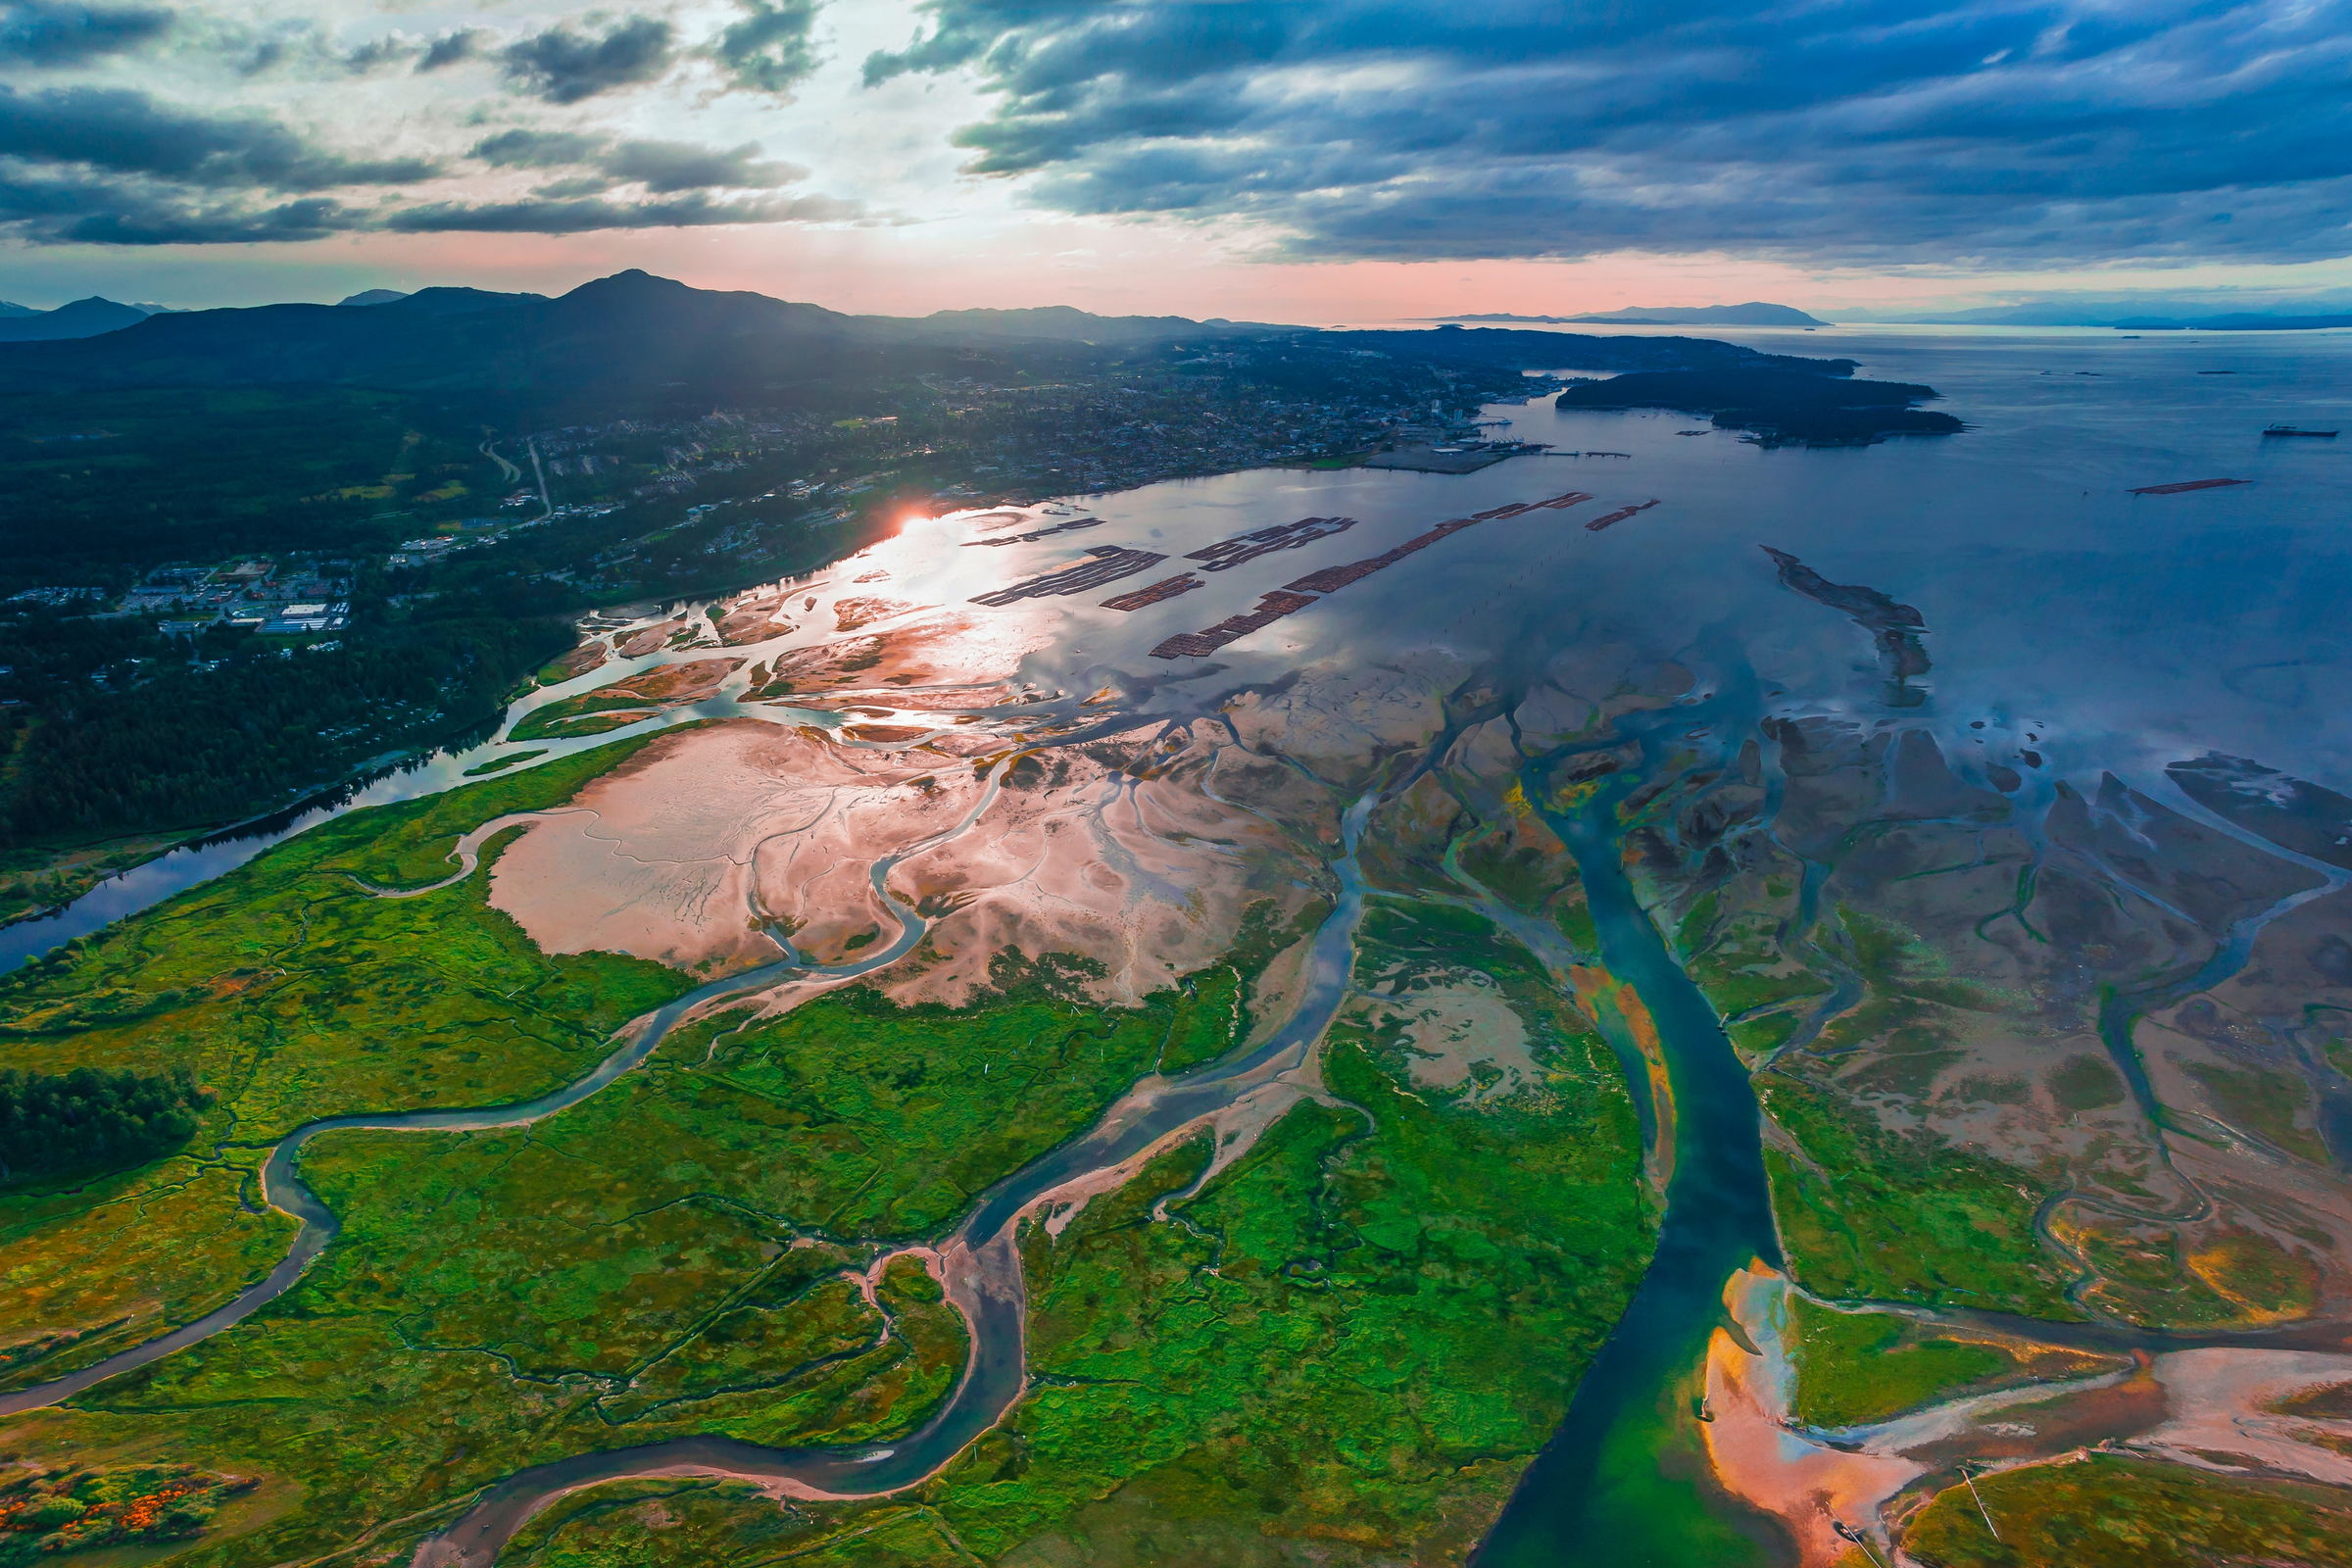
point(2288, 429)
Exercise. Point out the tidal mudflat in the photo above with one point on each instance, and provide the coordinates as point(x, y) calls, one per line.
point(1590, 1041)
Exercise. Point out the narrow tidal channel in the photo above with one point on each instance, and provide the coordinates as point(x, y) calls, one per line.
point(1624, 1481)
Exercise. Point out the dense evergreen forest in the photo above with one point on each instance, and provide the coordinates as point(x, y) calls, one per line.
point(87, 1120)
point(116, 729)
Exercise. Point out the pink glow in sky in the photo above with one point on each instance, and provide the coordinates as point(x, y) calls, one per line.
point(904, 156)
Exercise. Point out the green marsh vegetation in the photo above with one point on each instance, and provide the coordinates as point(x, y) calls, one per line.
point(1353, 1336)
point(2272, 1106)
point(44, 1516)
point(1735, 959)
point(502, 763)
point(2159, 1274)
point(2109, 1512)
point(1870, 1213)
point(568, 717)
point(696, 1523)
point(1215, 1014)
point(286, 992)
point(1857, 1368)
point(674, 1255)
point(1874, 1213)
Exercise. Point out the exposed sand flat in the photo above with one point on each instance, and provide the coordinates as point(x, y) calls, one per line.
point(753, 619)
point(1147, 876)
point(850, 614)
point(1587, 685)
point(1341, 723)
point(664, 865)
point(2217, 1400)
point(583, 659)
point(648, 639)
point(688, 852)
point(689, 682)
point(1809, 1487)
point(2201, 1408)
point(916, 699)
point(1463, 1026)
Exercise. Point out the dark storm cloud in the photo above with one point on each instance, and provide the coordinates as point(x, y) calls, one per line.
point(575, 217)
point(100, 211)
point(663, 168)
point(84, 209)
point(37, 33)
point(1945, 131)
point(448, 50)
point(565, 66)
point(113, 166)
point(537, 149)
point(768, 49)
point(122, 131)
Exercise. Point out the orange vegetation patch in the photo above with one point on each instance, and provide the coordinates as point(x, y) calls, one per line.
point(581, 660)
point(677, 683)
point(652, 640)
point(753, 620)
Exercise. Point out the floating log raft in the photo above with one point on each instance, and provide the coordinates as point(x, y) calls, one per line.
point(1332, 579)
point(1619, 516)
point(1110, 563)
point(2192, 484)
point(1228, 553)
point(1184, 582)
point(1298, 593)
point(1038, 533)
point(1271, 607)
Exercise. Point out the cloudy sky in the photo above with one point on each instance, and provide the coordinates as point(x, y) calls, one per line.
point(1353, 159)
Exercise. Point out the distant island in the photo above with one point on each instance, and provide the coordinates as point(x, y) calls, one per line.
point(1753, 313)
point(1784, 407)
point(2132, 315)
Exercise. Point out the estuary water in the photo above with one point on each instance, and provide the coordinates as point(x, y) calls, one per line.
point(2122, 631)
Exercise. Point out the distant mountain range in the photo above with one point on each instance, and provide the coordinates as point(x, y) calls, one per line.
point(633, 335)
point(82, 319)
point(1753, 313)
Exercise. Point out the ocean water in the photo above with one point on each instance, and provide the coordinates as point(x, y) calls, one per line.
point(2125, 631)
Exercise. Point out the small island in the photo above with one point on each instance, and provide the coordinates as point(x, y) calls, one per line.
point(1782, 406)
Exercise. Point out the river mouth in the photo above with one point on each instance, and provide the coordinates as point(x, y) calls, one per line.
point(1626, 1478)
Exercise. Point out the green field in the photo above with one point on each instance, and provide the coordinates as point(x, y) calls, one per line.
point(2125, 1513)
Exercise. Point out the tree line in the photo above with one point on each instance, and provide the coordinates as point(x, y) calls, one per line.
point(87, 1120)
